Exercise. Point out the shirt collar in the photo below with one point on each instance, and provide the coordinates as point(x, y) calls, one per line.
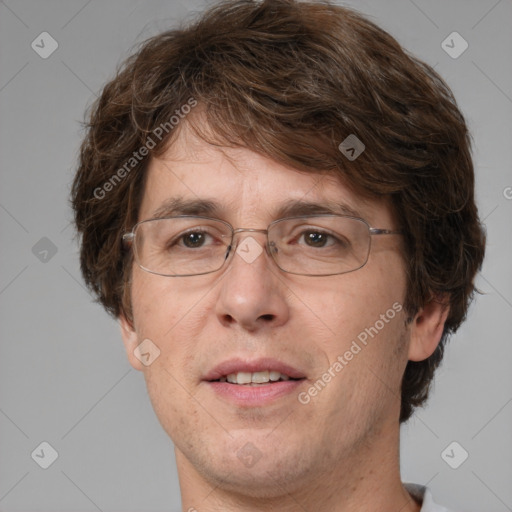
point(424, 496)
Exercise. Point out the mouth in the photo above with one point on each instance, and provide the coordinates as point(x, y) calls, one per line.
point(254, 383)
point(255, 378)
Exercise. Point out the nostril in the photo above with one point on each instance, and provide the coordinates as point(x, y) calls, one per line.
point(267, 317)
point(228, 319)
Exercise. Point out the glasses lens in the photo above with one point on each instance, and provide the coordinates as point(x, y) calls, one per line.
point(181, 246)
point(308, 245)
point(320, 245)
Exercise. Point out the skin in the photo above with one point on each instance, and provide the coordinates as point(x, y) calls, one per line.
point(339, 452)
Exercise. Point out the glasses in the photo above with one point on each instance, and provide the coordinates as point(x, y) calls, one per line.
point(310, 245)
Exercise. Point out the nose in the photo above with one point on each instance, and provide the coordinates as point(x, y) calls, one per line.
point(252, 294)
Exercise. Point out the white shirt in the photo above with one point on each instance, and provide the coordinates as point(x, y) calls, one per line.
point(423, 494)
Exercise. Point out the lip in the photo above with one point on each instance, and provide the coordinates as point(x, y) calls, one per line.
point(253, 396)
point(257, 365)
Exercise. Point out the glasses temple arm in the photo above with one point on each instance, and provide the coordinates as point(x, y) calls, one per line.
point(379, 231)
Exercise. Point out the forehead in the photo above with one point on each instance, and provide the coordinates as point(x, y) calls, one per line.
point(240, 185)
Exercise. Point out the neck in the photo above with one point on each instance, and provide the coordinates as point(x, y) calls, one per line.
point(368, 479)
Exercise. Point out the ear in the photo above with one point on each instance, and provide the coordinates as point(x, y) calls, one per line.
point(130, 340)
point(427, 327)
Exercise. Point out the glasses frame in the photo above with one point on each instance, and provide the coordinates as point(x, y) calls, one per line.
point(128, 241)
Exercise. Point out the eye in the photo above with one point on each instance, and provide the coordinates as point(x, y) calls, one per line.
point(194, 239)
point(319, 239)
point(316, 238)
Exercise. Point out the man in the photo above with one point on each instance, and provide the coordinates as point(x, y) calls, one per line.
point(277, 203)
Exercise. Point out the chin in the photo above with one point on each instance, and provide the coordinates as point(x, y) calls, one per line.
point(265, 481)
point(255, 468)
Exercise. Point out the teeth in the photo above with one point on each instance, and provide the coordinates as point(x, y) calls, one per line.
point(243, 378)
point(274, 376)
point(255, 377)
point(260, 377)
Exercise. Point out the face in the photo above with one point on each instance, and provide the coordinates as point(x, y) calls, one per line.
point(341, 341)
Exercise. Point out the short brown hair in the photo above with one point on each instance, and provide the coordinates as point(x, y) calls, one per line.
point(291, 80)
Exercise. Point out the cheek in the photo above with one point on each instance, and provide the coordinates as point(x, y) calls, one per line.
point(366, 348)
point(171, 313)
point(364, 388)
point(171, 402)
point(356, 306)
point(171, 310)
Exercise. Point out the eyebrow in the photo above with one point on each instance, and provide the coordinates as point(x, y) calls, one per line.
point(210, 208)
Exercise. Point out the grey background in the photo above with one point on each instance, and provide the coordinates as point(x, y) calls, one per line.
point(64, 376)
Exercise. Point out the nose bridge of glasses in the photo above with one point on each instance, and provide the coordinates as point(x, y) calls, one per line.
point(249, 230)
point(253, 230)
